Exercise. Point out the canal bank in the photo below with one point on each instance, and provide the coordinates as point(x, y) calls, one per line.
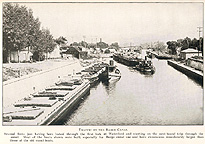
point(190, 72)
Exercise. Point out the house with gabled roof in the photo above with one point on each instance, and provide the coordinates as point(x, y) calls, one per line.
point(187, 53)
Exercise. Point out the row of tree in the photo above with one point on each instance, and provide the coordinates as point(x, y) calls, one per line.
point(185, 43)
point(101, 45)
point(22, 31)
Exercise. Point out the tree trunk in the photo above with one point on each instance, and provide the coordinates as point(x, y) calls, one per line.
point(28, 56)
point(8, 54)
point(18, 55)
point(46, 54)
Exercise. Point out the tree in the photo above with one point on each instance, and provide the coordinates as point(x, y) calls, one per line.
point(194, 43)
point(115, 46)
point(61, 40)
point(8, 30)
point(160, 47)
point(172, 45)
point(92, 45)
point(45, 45)
point(102, 45)
point(74, 44)
point(179, 42)
point(186, 43)
point(21, 30)
point(200, 45)
point(83, 43)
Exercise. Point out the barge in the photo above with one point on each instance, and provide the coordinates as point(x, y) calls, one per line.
point(96, 72)
point(126, 60)
point(158, 56)
point(49, 106)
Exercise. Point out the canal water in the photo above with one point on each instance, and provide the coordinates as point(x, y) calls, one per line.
point(166, 98)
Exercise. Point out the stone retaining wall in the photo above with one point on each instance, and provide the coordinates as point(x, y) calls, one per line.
point(187, 71)
point(194, 63)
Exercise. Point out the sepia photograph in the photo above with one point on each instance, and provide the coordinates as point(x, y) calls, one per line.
point(102, 63)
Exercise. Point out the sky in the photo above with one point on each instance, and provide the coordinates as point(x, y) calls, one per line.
point(125, 23)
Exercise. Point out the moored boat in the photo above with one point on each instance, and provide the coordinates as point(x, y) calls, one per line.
point(113, 72)
point(129, 59)
point(48, 106)
point(95, 73)
point(145, 66)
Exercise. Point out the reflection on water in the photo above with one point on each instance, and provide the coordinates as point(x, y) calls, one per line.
point(166, 98)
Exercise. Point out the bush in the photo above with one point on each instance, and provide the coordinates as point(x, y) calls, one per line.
point(38, 56)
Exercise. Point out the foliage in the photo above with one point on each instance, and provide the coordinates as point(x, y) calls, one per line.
point(82, 43)
point(102, 45)
point(159, 46)
point(115, 46)
point(185, 43)
point(61, 40)
point(22, 31)
point(172, 45)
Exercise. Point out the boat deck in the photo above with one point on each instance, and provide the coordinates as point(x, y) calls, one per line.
point(40, 109)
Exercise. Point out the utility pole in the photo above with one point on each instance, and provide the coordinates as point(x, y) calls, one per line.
point(199, 30)
point(96, 42)
point(84, 40)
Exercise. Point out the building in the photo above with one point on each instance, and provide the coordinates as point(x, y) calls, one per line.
point(187, 53)
point(75, 52)
point(63, 50)
point(56, 53)
point(21, 56)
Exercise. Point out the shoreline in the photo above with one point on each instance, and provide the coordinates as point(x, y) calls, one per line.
point(190, 72)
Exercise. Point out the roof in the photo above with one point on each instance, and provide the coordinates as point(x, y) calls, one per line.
point(63, 45)
point(74, 47)
point(190, 50)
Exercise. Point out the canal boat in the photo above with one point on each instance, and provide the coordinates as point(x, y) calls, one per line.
point(48, 106)
point(114, 75)
point(113, 72)
point(129, 59)
point(162, 56)
point(145, 66)
point(92, 77)
point(96, 72)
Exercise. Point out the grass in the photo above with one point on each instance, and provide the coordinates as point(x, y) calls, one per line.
point(15, 70)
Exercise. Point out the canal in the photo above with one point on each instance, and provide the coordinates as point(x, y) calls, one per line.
point(166, 98)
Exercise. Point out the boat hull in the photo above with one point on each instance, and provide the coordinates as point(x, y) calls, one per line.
point(62, 114)
point(54, 111)
point(125, 61)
